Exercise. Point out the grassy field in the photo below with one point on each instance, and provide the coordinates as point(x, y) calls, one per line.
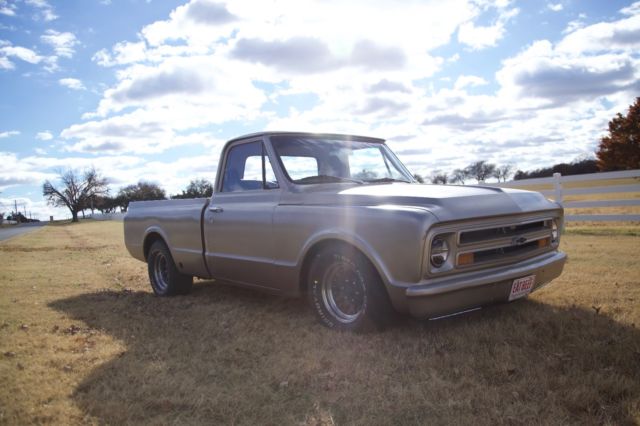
point(84, 341)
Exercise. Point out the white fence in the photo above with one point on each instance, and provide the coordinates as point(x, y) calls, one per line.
point(558, 193)
point(109, 216)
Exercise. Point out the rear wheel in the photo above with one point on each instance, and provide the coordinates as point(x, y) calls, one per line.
point(346, 292)
point(165, 278)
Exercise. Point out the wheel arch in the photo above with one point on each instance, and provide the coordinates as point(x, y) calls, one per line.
point(151, 237)
point(333, 241)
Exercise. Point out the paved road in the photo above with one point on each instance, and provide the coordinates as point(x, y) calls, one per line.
point(14, 231)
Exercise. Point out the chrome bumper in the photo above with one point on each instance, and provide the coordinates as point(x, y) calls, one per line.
point(465, 291)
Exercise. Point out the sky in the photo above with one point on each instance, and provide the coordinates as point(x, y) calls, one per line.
point(151, 89)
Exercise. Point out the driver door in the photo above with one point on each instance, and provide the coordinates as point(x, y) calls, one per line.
point(238, 224)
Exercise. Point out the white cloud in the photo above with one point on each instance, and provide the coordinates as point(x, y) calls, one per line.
point(632, 9)
point(557, 76)
point(7, 9)
point(622, 35)
point(62, 42)
point(72, 83)
point(469, 81)
point(6, 64)
point(9, 133)
point(123, 53)
point(46, 12)
point(44, 136)
point(482, 36)
point(555, 7)
point(21, 53)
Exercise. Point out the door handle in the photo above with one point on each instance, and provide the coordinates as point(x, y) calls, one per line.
point(216, 209)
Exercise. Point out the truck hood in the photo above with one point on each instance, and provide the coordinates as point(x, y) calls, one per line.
point(446, 202)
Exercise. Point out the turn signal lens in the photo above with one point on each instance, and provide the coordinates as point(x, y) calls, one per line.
point(465, 259)
point(544, 242)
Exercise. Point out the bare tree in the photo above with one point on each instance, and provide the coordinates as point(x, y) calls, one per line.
point(459, 176)
point(480, 170)
point(502, 173)
point(439, 177)
point(75, 190)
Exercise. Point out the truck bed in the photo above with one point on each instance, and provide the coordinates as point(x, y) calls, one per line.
point(177, 222)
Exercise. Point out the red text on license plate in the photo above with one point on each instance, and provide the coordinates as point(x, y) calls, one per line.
point(521, 287)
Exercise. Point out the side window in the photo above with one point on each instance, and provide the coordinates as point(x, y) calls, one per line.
point(248, 168)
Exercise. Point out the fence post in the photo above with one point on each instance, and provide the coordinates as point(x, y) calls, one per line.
point(557, 186)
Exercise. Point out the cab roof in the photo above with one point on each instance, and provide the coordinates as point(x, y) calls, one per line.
point(309, 135)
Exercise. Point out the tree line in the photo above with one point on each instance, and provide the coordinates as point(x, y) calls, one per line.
point(480, 171)
point(81, 191)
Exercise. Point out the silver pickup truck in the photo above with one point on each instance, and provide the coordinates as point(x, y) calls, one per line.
point(339, 219)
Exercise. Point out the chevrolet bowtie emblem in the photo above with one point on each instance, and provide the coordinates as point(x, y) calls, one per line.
point(518, 241)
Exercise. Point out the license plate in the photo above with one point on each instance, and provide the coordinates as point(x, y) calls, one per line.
point(521, 287)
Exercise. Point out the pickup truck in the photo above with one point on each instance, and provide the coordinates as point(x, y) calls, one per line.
point(340, 220)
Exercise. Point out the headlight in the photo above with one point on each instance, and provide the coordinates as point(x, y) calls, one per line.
point(439, 252)
point(554, 231)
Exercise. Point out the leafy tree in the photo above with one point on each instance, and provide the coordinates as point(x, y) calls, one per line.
point(199, 188)
point(459, 176)
point(418, 178)
point(620, 150)
point(480, 170)
point(141, 191)
point(75, 190)
point(106, 204)
point(502, 173)
point(18, 217)
point(439, 177)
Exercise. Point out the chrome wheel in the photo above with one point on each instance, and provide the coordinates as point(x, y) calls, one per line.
point(343, 291)
point(161, 271)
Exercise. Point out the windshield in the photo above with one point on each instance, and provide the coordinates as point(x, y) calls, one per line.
point(308, 160)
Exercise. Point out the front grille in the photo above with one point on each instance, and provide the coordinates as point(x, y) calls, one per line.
point(492, 242)
point(480, 235)
point(503, 243)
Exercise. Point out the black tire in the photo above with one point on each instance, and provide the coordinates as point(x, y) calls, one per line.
point(345, 291)
point(165, 278)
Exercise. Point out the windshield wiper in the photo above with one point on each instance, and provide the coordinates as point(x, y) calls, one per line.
point(326, 179)
point(386, 179)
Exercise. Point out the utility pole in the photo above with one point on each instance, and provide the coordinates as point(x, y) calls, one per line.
point(15, 204)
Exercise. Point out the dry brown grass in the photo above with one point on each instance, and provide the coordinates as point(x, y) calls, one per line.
point(83, 340)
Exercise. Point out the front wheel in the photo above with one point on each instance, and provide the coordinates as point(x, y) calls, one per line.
point(165, 278)
point(346, 292)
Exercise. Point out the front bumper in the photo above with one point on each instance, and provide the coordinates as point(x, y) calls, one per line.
point(466, 291)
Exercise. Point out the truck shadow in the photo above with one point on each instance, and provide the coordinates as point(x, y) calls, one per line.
point(228, 355)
